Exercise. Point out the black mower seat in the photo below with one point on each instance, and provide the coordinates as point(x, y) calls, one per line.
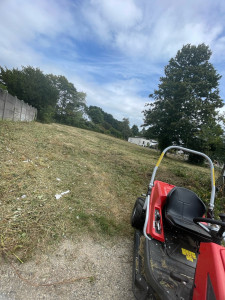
point(182, 205)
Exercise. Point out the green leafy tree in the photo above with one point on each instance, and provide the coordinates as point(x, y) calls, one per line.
point(134, 130)
point(32, 86)
point(106, 123)
point(112, 121)
point(126, 131)
point(143, 133)
point(184, 110)
point(96, 114)
point(115, 133)
point(70, 106)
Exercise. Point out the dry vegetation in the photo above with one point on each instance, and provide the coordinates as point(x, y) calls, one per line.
point(103, 175)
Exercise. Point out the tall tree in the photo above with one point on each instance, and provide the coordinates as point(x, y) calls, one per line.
point(126, 131)
point(32, 86)
point(70, 103)
point(186, 101)
point(134, 130)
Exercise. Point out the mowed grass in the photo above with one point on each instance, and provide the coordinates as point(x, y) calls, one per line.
point(103, 175)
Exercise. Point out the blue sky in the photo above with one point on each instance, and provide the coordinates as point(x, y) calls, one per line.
point(113, 50)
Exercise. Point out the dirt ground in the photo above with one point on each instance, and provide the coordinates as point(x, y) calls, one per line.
point(106, 269)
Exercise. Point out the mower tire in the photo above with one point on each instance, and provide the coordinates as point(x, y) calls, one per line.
point(138, 214)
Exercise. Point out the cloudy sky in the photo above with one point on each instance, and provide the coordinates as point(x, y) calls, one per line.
point(113, 50)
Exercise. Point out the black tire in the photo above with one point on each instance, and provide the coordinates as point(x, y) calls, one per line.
point(138, 214)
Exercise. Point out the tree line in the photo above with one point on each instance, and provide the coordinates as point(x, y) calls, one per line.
point(57, 100)
point(184, 110)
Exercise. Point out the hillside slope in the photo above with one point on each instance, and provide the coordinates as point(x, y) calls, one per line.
point(101, 175)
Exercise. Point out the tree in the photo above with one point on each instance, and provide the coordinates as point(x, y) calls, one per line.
point(70, 103)
point(104, 122)
point(134, 130)
point(184, 110)
point(32, 86)
point(126, 131)
point(96, 114)
point(143, 133)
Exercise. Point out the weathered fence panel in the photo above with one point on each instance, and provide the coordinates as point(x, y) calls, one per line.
point(14, 109)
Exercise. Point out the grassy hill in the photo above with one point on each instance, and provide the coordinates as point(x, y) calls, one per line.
point(101, 175)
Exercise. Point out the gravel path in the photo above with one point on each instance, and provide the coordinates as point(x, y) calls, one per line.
point(109, 264)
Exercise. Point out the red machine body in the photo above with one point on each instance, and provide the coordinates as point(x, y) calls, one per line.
point(159, 193)
point(210, 273)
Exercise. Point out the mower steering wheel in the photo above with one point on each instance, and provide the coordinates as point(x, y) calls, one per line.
point(211, 221)
point(220, 232)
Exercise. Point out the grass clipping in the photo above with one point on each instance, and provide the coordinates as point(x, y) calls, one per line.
point(61, 182)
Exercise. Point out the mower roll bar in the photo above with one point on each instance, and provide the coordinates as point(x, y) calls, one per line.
point(151, 184)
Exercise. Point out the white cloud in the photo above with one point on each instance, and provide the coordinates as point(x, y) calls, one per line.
point(156, 30)
point(119, 14)
point(27, 27)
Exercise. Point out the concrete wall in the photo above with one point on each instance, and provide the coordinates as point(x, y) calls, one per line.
point(14, 109)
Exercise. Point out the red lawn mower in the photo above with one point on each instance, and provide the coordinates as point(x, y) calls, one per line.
point(177, 250)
